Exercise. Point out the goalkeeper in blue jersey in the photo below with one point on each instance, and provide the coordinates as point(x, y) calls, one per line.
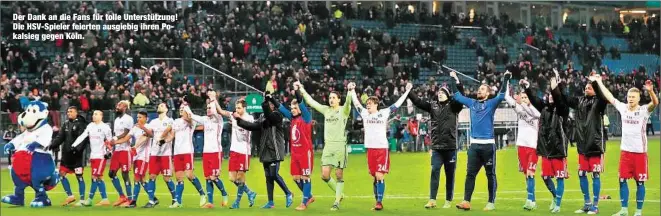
point(482, 150)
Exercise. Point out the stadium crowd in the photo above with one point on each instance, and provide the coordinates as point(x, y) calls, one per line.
point(106, 66)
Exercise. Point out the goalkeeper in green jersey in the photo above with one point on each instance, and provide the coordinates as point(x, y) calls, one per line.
point(335, 140)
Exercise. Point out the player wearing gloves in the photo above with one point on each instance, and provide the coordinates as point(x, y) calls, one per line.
point(375, 122)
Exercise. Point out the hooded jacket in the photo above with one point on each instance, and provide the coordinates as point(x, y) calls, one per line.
point(589, 122)
point(70, 130)
point(552, 141)
point(444, 119)
point(272, 140)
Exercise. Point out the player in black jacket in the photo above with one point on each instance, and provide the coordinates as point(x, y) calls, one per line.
point(271, 146)
point(443, 129)
point(72, 158)
point(589, 140)
point(552, 141)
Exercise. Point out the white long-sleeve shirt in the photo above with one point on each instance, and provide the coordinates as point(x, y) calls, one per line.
point(159, 126)
point(376, 124)
point(241, 137)
point(98, 133)
point(528, 124)
point(213, 130)
point(183, 136)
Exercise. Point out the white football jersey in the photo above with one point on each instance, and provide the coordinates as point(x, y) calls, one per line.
point(528, 126)
point(42, 135)
point(159, 126)
point(183, 136)
point(121, 124)
point(634, 127)
point(144, 150)
point(98, 134)
point(213, 131)
point(376, 126)
point(240, 136)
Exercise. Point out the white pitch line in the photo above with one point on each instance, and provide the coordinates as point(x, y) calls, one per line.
point(404, 197)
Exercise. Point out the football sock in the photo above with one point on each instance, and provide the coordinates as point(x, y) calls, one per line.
point(624, 193)
point(198, 185)
point(179, 191)
point(596, 187)
point(81, 186)
point(331, 183)
point(66, 185)
point(584, 186)
point(102, 188)
point(136, 191)
point(559, 191)
point(171, 188)
point(307, 190)
point(380, 190)
point(640, 195)
point(118, 186)
point(93, 188)
point(150, 188)
point(210, 191)
point(530, 185)
point(548, 181)
point(339, 190)
point(219, 184)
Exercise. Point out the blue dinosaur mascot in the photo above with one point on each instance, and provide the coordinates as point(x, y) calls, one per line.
point(33, 166)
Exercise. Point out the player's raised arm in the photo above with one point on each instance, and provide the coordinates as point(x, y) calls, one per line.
point(655, 100)
point(503, 87)
point(402, 98)
point(508, 97)
point(560, 105)
point(82, 136)
point(603, 92)
point(305, 112)
point(601, 98)
point(308, 99)
point(534, 100)
point(346, 107)
point(356, 102)
point(423, 105)
point(198, 119)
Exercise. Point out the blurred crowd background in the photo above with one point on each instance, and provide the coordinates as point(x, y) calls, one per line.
point(241, 48)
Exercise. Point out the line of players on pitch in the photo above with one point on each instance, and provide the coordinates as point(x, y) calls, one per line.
point(539, 120)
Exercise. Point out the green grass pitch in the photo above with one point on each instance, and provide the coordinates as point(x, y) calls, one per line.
point(407, 189)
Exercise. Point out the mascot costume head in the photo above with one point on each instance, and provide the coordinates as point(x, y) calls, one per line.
point(33, 166)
